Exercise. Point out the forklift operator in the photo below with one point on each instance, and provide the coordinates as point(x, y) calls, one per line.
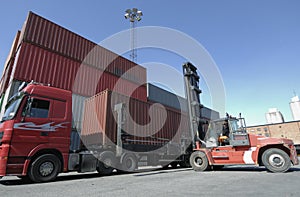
point(223, 139)
point(225, 131)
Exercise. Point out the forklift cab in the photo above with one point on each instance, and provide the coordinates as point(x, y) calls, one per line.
point(227, 131)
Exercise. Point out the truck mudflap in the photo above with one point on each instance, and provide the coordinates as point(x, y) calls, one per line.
point(294, 155)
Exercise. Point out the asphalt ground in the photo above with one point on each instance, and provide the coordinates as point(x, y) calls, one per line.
point(230, 181)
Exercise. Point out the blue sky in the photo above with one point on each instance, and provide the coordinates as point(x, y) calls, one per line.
point(255, 44)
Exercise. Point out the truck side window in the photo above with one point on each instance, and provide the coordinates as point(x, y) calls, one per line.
point(39, 109)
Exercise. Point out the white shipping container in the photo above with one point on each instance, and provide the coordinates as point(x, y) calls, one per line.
point(77, 111)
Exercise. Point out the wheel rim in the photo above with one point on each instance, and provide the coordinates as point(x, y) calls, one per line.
point(129, 163)
point(46, 168)
point(107, 163)
point(276, 160)
point(198, 161)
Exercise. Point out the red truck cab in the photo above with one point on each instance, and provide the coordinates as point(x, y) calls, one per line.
point(35, 133)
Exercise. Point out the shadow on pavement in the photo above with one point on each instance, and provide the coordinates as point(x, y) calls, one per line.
point(140, 173)
point(72, 177)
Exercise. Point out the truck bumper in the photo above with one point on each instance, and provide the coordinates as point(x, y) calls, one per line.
point(3, 167)
point(3, 159)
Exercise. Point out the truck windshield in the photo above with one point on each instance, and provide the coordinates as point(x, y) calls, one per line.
point(12, 106)
point(237, 125)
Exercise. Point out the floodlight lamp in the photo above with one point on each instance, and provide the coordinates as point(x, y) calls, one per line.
point(135, 10)
point(128, 11)
point(126, 16)
point(138, 18)
point(139, 13)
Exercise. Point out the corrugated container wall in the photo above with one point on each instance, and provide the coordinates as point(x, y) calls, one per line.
point(46, 34)
point(77, 111)
point(49, 53)
point(144, 123)
point(159, 95)
point(40, 65)
point(8, 66)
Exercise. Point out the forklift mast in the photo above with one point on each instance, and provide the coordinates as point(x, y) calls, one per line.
point(192, 91)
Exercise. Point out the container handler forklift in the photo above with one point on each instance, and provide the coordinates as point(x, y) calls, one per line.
point(226, 141)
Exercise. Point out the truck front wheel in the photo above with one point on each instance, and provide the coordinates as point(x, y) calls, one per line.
point(44, 168)
point(276, 160)
point(198, 161)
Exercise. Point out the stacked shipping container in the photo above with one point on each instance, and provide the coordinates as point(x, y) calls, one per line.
point(158, 95)
point(48, 53)
point(44, 66)
point(143, 122)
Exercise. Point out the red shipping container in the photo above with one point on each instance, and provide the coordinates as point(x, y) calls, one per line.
point(144, 123)
point(40, 65)
point(9, 64)
point(48, 35)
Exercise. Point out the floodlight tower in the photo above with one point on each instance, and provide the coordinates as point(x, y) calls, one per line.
point(133, 15)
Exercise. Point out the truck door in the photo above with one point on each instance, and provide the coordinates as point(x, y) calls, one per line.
point(60, 128)
point(32, 127)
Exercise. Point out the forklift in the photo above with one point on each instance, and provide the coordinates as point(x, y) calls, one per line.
point(226, 141)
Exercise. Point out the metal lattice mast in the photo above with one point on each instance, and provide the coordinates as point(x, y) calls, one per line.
point(133, 15)
point(133, 54)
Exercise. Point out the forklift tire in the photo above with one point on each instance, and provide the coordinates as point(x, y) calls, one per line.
point(44, 168)
point(198, 161)
point(276, 160)
point(106, 163)
point(129, 163)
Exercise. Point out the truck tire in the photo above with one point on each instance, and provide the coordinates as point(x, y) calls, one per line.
point(129, 163)
point(44, 168)
point(198, 161)
point(106, 163)
point(276, 160)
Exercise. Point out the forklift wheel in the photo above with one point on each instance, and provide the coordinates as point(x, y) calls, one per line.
point(198, 161)
point(276, 160)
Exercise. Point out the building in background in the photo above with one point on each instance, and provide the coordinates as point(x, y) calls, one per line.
point(295, 107)
point(288, 130)
point(274, 116)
